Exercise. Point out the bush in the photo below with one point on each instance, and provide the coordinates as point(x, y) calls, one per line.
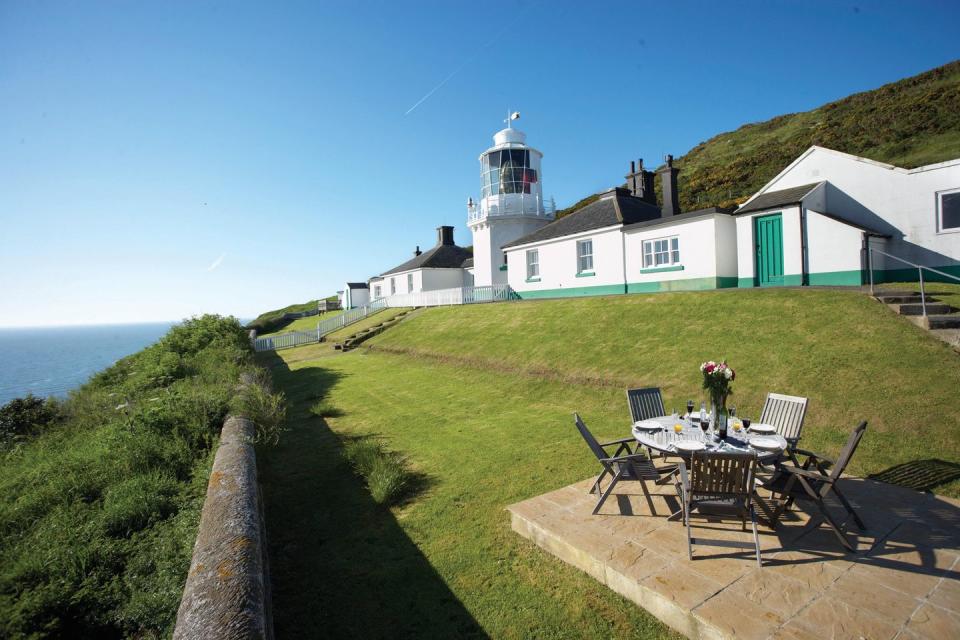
point(267, 410)
point(26, 417)
point(386, 473)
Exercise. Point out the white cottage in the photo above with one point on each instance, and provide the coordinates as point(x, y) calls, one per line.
point(354, 294)
point(813, 222)
point(445, 266)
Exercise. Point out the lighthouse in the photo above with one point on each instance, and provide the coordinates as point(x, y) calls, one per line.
point(511, 202)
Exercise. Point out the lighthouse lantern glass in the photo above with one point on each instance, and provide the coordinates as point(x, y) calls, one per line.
point(507, 171)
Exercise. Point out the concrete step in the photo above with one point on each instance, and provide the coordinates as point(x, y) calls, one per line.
point(943, 322)
point(916, 309)
point(900, 298)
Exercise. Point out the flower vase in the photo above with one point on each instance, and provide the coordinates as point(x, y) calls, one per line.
point(720, 415)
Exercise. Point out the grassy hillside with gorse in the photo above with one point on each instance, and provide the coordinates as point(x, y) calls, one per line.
point(100, 494)
point(909, 123)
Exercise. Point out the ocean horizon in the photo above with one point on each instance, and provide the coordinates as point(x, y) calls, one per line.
point(53, 360)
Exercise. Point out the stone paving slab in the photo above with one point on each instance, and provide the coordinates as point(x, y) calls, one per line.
point(903, 582)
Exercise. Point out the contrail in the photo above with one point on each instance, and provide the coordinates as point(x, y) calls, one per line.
point(467, 61)
point(216, 263)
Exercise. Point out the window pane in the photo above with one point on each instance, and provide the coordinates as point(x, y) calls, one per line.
point(675, 244)
point(647, 260)
point(950, 211)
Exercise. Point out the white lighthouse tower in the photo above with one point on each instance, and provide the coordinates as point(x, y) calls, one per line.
point(511, 202)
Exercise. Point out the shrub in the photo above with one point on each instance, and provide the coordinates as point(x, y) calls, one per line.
point(26, 417)
point(267, 410)
point(386, 472)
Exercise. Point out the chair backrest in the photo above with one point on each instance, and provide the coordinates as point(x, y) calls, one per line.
point(786, 413)
point(591, 441)
point(848, 450)
point(645, 403)
point(722, 474)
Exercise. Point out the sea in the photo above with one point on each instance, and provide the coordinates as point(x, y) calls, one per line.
point(50, 361)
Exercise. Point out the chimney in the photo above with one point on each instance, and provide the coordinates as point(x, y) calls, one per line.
point(417, 251)
point(444, 235)
point(640, 183)
point(668, 182)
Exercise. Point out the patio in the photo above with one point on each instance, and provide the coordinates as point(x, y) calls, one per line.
point(903, 582)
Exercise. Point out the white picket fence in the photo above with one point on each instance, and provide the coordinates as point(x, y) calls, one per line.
point(459, 295)
point(436, 298)
point(297, 338)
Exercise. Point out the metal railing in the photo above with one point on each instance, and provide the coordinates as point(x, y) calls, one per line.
point(298, 338)
point(918, 267)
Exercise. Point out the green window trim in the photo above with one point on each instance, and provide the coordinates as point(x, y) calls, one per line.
point(678, 267)
point(586, 274)
point(532, 280)
point(503, 267)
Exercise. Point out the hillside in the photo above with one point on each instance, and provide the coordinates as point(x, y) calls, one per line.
point(272, 321)
point(908, 123)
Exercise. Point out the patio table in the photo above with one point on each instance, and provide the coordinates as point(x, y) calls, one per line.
point(665, 439)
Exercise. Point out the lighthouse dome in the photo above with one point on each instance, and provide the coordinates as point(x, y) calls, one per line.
point(509, 135)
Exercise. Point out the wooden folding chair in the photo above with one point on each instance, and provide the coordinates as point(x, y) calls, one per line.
point(719, 485)
point(814, 482)
point(636, 466)
point(786, 413)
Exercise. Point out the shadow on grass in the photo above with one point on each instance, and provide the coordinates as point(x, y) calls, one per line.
point(920, 475)
point(341, 565)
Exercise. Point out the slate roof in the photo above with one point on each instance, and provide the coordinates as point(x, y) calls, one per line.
point(680, 216)
point(357, 285)
point(468, 263)
point(442, 256)
point(774, 199)
point(613, 208)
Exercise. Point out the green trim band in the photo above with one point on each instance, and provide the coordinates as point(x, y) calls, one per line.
point(586, 274)
point(686, 284)
point(573, 292)
point(503, 267)
point(678, 267)
point(532, 279)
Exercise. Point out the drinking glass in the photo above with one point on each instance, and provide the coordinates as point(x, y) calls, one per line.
point(689, 408)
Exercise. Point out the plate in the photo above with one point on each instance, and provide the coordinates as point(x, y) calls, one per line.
point(759, 427)
point(648, 425)
point(689, 445)
point(766, 444)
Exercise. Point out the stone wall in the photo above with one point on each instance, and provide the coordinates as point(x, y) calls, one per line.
point(227, 595)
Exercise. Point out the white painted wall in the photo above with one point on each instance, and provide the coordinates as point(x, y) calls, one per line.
point(697, 243)
point(558, 262)
point(832, 245)
point(889, 199)
point(489, 236)
point(355, 298)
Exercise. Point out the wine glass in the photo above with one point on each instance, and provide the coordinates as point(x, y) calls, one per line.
point(746, 423)
point(689, 408)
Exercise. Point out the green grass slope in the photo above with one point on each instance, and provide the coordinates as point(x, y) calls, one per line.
point(99, 512)
point(272, 321)
point(851, 356)
point(908, 123)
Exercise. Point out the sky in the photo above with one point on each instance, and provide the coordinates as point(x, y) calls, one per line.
point(164, 159)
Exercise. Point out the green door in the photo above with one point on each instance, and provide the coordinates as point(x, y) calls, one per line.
point(768, 231)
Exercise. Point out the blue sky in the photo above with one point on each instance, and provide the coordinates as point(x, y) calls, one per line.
point(164, 159)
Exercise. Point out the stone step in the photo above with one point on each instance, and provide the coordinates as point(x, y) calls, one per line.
point(899, 298)
point(943, 322)
point(916, 309)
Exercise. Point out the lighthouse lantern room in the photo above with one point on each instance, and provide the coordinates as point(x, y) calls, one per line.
point(511, 202)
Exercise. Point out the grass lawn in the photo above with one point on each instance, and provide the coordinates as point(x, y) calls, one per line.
point(304, 324)
point(369, 321)
point(445, 564)
point(851, 356)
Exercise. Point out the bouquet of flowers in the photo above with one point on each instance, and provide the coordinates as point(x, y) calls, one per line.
point(716, 380)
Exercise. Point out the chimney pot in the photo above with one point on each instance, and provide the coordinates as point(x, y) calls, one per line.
point(444, 235)
point(668, 180)
point(417, 252)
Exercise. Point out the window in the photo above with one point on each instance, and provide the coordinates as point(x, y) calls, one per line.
point(949, 205)
point(409, 283)
point(662, 252)
point(507, 171)
point(393, 286)
point(533, 264)
point(584, 256)
point(376, 291)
